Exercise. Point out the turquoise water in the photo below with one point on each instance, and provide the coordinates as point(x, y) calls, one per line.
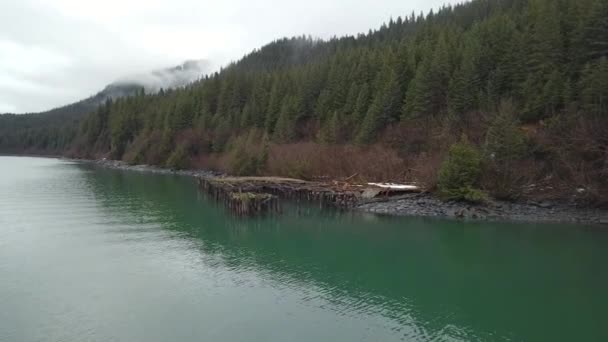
point(92, 254)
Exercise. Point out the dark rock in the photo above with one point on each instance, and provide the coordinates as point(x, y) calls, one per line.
point(428, 205)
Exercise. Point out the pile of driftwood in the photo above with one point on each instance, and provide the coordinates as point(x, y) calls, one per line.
point(258, 195)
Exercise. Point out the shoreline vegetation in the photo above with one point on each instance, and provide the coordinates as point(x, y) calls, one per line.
point(413, 204)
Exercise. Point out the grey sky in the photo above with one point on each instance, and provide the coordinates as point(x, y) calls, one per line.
point(53, 52)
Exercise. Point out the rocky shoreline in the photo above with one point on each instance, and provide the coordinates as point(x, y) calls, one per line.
point(428, 205)
point(120, 165)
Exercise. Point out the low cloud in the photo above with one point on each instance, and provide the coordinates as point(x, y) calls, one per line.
point(179, 76)
point(60, 51)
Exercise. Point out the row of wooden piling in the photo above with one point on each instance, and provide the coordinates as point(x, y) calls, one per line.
point(248, 196)
point(252, 204)
point(240, 203)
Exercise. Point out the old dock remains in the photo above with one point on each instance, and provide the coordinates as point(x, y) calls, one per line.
point(248, 196)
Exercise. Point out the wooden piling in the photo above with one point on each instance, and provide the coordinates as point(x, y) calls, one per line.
point(247, 196)
point(252, 204)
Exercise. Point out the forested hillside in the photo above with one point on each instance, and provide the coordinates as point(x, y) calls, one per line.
point(516, 88)
point(53, 131)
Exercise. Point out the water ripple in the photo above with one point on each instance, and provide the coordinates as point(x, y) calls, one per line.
point(101, 255)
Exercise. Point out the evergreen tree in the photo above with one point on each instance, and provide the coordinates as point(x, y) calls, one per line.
point(594, 88)
point(419, 96)
point(460, 173)
point(274, 105)
point(504, 145)
point(330, 133)
point(595, 36)
point(285, 130)
point(362, 103)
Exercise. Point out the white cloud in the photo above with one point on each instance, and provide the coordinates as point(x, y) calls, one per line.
point(59, 51)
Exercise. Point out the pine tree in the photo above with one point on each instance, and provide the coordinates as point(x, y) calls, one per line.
point(274, 105)
point(553, 92)
point(362, 103)
point(504, 145)
point(285, 130)
point(594, 88)
point(351, 100)
point(595, 36)
point(330, 132)
point(384, 108)
point(460, 173)
point(464, 84)
point(369, 126)
point(419, 96)
point(546, 53)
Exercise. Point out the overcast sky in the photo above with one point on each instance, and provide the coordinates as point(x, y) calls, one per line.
point(53, 52)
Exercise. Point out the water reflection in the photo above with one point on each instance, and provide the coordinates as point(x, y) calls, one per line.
point(418, 279)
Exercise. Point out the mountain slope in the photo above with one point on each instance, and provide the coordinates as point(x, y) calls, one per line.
point(52, 130)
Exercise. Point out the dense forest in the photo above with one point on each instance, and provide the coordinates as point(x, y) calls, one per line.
point(501, 97)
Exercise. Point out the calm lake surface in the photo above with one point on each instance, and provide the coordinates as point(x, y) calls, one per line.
point(89, 254)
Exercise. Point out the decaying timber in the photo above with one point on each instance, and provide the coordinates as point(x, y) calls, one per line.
point(249, 194)
point(251, 204)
